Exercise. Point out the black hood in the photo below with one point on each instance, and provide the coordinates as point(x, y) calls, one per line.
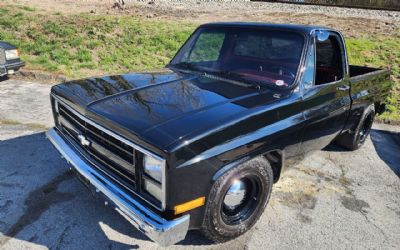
point(160, 108)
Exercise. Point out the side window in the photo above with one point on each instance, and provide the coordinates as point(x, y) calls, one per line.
point(329, 61)
point(207, 47)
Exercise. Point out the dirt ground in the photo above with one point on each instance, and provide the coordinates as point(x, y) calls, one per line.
point(352, 22)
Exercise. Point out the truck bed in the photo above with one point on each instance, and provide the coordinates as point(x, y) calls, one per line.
point(373, 80)
point(356, 71)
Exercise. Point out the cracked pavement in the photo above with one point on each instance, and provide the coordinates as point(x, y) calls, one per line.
point(334, 199)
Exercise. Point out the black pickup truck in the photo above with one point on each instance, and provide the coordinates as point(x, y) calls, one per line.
point(199, 144)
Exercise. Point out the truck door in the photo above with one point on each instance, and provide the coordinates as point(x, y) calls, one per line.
point(326, 96)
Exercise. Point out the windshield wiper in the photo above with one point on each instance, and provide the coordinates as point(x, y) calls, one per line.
point(185, 65)
point(239, 78)
point(210, 72)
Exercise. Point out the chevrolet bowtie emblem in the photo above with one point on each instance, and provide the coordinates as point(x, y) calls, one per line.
point(83, 140)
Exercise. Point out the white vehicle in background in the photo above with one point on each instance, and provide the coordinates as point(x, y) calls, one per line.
point(9, 59)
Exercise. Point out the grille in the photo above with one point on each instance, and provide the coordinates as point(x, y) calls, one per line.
point(115, 156)
point(2, 56)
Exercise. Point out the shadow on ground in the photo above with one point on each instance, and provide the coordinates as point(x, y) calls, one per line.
point(334, 148)
point(386, 144)
point(390, 155)
point(41, 202)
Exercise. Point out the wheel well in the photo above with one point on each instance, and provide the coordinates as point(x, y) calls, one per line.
point(379, 107)
point(275, 158)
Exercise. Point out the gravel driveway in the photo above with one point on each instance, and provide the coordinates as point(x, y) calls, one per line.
point(333, 200)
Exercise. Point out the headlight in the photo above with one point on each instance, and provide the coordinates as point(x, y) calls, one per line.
point(12, 54)
point(153, 178)
point(153, 167)
point(153, 188)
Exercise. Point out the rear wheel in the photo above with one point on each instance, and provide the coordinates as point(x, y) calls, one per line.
point(354, 140)
point(237, 200)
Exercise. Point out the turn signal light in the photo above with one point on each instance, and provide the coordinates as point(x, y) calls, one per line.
point(189, 205)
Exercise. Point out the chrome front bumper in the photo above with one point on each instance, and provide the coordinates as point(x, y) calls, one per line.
point(164, 232)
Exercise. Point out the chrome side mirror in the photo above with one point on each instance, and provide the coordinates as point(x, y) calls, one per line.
point(322, 35)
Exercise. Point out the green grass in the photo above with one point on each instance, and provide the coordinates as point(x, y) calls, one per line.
point(78, 45)
point(26, 8)
point(84, 45)
point(32, 126)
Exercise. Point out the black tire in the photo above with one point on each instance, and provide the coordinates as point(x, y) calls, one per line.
point(218, 226)
point(355, 139)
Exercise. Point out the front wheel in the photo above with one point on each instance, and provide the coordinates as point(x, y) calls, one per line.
point(237, 200)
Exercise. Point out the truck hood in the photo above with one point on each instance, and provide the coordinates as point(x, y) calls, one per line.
point(160, 108)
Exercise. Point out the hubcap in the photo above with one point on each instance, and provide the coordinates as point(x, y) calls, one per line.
point(241, 200)
point(235, 195)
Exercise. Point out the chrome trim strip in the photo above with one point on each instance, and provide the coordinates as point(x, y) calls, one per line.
point(118, 137)
point(158, 229)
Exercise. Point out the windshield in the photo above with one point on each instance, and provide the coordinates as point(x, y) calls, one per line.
point(263, 56)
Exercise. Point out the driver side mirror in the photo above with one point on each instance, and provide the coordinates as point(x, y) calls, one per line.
point(322, 35)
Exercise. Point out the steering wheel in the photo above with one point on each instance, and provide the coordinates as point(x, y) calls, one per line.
point(283, 71)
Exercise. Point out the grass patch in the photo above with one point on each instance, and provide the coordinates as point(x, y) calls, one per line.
point(26, 8)
point(9, 122)
point(84, 45)
point(76, 45)
point(32, 126)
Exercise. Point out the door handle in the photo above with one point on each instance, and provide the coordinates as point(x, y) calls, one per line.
point(343, 88)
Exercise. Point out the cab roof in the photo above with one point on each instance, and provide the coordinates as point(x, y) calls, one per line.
point(291, 27)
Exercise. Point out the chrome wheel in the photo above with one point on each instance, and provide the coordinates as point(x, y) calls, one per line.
point(237, 199)
point(241, 200)
point(235, 195)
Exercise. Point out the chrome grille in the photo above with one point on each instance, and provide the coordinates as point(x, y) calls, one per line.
point(114, 155)
point(2, 56)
